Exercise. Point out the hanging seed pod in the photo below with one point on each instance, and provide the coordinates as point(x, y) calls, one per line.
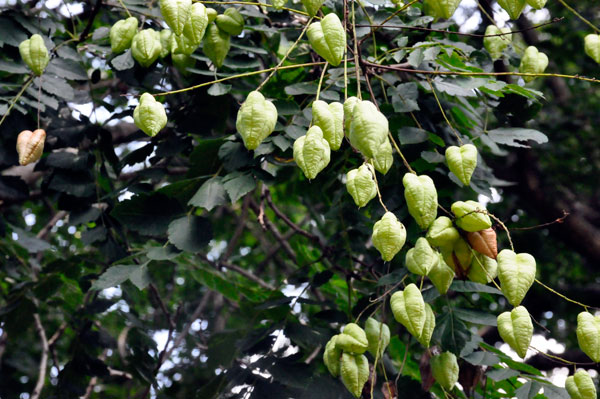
point(149, 115)
point(409, 310)
point(231, 21)
point(389, 236)
point(35, 54)
point(516, 330)
point(30, 145)
point(516, 273)
point(422, 258)
point(176, 13)
point(146, 47)
point(581, 386)
point(514, 8)
point(312, 6)
point(427, 332)
point(212, 14)
point(311, 152)
point(183, 62)
point(533, 61)
point(592, 46)
point(483, 269)
point(328, 38)
point(459, 257)
point(182, 45)
point(441, 8)
point(352, 340)
point(445, 369)
point(495, 45)
point(166, 42)
point(462, 161)
point(441, 275)
point(442, 233)
point(349, 105)
point(421, 198)
point(256, 119)
point(278, 4)
point(368, 129)
point(360, 185)
point(384, 158)
point(484, 242)
point(588, 335)
point(195, 27)
point(354, 372)
point(330, 118)
point(216, 45)
point(332, 357)
point(378, 335)
point(471, 216)
point(122, 33)
point(537, 4)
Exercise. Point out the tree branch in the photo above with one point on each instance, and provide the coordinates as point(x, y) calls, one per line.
point(44, 358)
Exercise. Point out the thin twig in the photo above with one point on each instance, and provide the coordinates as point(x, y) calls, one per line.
point(44, 358)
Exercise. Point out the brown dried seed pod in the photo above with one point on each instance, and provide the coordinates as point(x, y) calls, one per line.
point(484, 242)
point(30, 145)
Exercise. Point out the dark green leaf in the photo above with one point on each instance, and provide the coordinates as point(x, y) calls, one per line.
point(190, 233)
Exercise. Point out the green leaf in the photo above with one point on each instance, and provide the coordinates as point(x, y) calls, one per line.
point(162, 253)
point(30, 242)
point(190, 233)
point(216, 281)
point(482, 358)
point(123, 61)
point(115, 275)
point(67, 69)
point(528, 390)
point(502, 374)
point(134, 213)
point(475, 316)
point(238, 184)
point(411, 135)
point(516, 137)
point(469, 286)
point(210, 195)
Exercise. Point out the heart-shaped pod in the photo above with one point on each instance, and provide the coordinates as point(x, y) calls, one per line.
point(231, 21)
point(332, 357)
point(146, 47)
point(537, 4)
point(378, 335)
point(311, 152)
point(30, 145)
point(176, 13)
point(441, 275)
point(592, 46)
point(35, 54)
point(328, 38)
point(312, 6)
point(425, 337)
point(483, 269)
point(516, 330)
point(422, 258)
point(216, 45)
point(353, 339)
point(349, 105)
point(444, 368)
point(122, 33)
point(462, 161)
point(441, 8)
point(389, 236)
point(533, 61)
point(384, 158)
point(330, 118)
point(409, 310)
point(183, 62)
point(368, 129)
point(495, 45)
point(256, 119)
point(471, 216)
point(581, 386)
point(588, 335)
point(516, 273)
point(166, 42)
point(421, 198)
point(182, 45)
point(484, 242)
point(196, 25)
point(212, 14)
point(354, 372)
point(514, 8)
point(149, 115)
point(442, 233)
point(458, 257)
point(360, 185)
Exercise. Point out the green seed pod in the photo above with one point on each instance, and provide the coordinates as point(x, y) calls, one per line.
point(471, 216)
point(516, 330)
point(444, 368)
point(533, 61)
point(592, 46)
point(332, 356)
point(212, 14)
point(389, 236)
point(231, 21)
point(182, 45)
point(360, 185)
point(352, 340)
point(149, 115)
point(495, 45)
point(384, 158)
point(537, 4)
point(35, 54)
point(408, 308)
point(368, 129)
point(462, 161)
point(441, 8)
point(588, 335)
point(166, 42)
point(312, 6)
point(425, 337)
point(483, 269)
point(442, 233)
point(122, 33)
point(355, 372)
point(422, 258)
point(461, 253)
point(183, 62)
point(421, 198)
point(516, 273)
point(216, 45)
point(514, 8)
point(378, 335)
point(256, 119)
point(328, 38)
point(330, 118)
point(348, 112)
point(145, 47)
point(581, 386)
point(195, 27)
point(441, 276)
point(278, 4)
point(311, 152)
point(176, 13)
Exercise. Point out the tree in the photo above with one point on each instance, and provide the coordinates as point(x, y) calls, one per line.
point(205, 239)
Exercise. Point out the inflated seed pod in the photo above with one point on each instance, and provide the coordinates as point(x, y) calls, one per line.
point(360, 185)
point(149, 115)
point(427, 332)
point(389, 236)
point(442, 233)
point(378, 335)
point(348, 112)
point(533, 61)
point(514, 8)
point(231, 21)
point(495, 45)
point(182, 45)
point(212, 14)
point(462, 161)
point(441, 276)
point(458, 257)
point(581, 386)
point(592, 46)
point(537, 4)
point(328, 38)
point(332, 357)
point(176, 13)
point(256, 119)
point(588, 335)
point(311, 152)
point(444, 368)
point(352, 340)
point(183, 62)
point(516, 273)
point(421, 198)
point(471, 216)
point(196, 25)
point(355, 372)
point(30, 145)
point(422, 258)
point(216, 45)
point(409, 310)
point(384, 158)
point(330, 118)
point(278, 4)
point(368, 128)
point(516, 330)
point(312, 6)
point(484, 242)
point(441, 8)
point(35, 54)
point(122, 33)
point(146, 47)
point(483, 269)
point(166, 42)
